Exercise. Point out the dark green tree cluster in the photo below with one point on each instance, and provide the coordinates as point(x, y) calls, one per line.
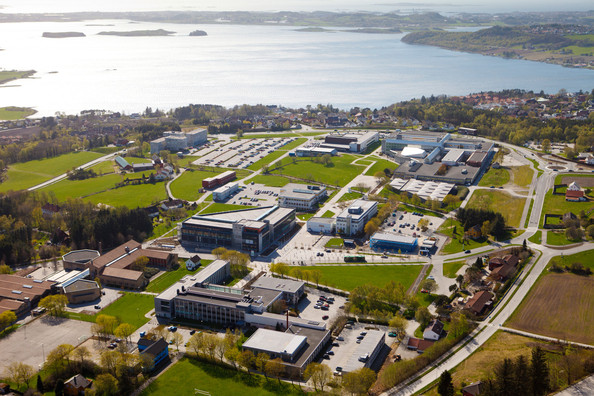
point(381, 302)
point(520, 377)
point(81, 174)
point(469, 217)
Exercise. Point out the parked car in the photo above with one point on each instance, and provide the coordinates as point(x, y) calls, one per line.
point(340, 338)
point(192, 332)
point(392, 334)
point(172, 328)
point(97, 306)
point(325, 317)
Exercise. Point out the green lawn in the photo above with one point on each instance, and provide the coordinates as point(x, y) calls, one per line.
point(350, 196)
point(556, 204)
point(328, 214)
point(193, 377)
point(495, 177)
point(340, 172)
point(187, 185)
point(305, 216)
point(271, 181)
point(450, 268)
point(105, 167)
point(130, 308)
point(23, 175)
point(557, 238)
point(380, 165)
point(15, 113)
point(169, 278)
point(529, 213)
point(585, 257)
point(347, 277)
point(509, 206)
point(335, 243)
point(455, 245)
point(536, 238)
point(221, 207)
point(522, 175)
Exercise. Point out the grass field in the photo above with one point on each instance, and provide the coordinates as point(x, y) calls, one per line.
point(335, 243)
point(450, 268)
point(15, 113)
point(169, 278)
point(189, 376)
point(130, 308)
point(347, 277)
point(536, 238)
point(271, 181)
point(105, 167)
point(558, 238)
point(559, 306)
point(339, 173)
point(221, 207)
point(522, 175)
point(495, 177)
point(585, 257)
point(380, 165)
point(23, 175)
point(556, 204)
point(454, 245)
point(328, 214)
point(186, 186)
point(350, 196)
point(510, 207)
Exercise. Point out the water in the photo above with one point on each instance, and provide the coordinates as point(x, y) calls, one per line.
point(247, 64)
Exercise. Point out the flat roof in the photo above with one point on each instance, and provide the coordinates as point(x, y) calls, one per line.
point(122, 273)
point(226, 187)
point(453, 155)
point(275, 342)
point(294, 190)
point(324, 220)
point(210, 270)
point(430, 171)
point(384, 236)
point(82, 256)
point(411, 151)
point(285, 285)
point(365, 205)
point(80, 285)
point(368, 345)
point(264, 296)
point(116, 253)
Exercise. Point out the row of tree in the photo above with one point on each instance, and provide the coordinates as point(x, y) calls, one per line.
point(490, 222)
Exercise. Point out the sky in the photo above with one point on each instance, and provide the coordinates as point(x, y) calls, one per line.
point(490, 6)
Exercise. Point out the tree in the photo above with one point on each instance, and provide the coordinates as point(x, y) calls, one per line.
point(539, 373)
point(219, 252)
point(460, 280)
point(458, 324)
point(486, 228)
point(107, 323)
point(124, 331)
point(106, 385)
point(178, 339)
point(316, 275)
point(275, 368)
point(59, 388)
point(261, 360)
point(398, 324)
point(7, 318)
point(196, 342)
point(81, 353)
point(5, 269)
point(109, 360)
point(445, 386)
point(54, 304)
point(39, 385)
point(504, 374)
point(280, 268)
point(20, 373)
point(246, 359)
point(590, 231)
point(546, 145)
point(429, 284)
point(57, 356)
point(319, 374)
point(423, 316)
point(359, 381)
point(140, 263)
point(232, 355)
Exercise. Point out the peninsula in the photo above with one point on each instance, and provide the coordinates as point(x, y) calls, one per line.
point(62, 34)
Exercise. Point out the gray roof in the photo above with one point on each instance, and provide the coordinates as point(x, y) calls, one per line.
point(363, 204)
point(368, 344)
point(393, 237)
point(325, 220)
point(81, 284)
point(284, 285)
point(81, 256)
point(275, 342)
point(210, 270)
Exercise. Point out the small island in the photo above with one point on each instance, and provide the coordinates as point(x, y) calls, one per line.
point(62, 34)
point(375, 30)
point(138, 33)
point(10, 75)
point(198, 33)
point(314, 30)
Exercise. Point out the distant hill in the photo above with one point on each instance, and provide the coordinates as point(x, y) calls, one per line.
point(62, 34)
point(138, 33)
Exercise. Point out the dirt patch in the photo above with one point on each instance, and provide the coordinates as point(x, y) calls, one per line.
point(560, 306)
point(582, 181)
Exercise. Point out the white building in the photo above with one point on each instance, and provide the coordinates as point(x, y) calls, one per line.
point(300, 196)
point(176, 141)
point(323, 225)
point(224, 192)
point(353, 219)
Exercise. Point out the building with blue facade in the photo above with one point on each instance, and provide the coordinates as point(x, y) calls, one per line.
point(158, 349)
point(384, 241)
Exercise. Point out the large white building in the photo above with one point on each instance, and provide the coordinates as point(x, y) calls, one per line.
point(224, 192)
point(352, 141)
point(353, 219)
point(300, 196)
point(176, 141)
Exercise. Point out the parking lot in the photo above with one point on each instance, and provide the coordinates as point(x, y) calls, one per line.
point(407, 223)
point(308, 311)
point(256, 195)
point(240, 153)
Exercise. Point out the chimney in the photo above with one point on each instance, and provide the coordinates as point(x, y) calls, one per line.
point(100, 248)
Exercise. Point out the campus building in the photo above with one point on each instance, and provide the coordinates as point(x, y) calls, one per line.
point(79, 259)
point(20, 294)
point(394, 242)
point(351, 141)
point(423, 189)
point(218, 180)
point(224, 192)
point(291, 290)
point(315, 151)
point(176, 141)
point(300, 196)
point(252, 230)
point(81, 291)
point(321, 225)
point(366, 352)
point(353, 219)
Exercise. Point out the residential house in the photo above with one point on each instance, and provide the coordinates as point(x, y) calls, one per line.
point(474, 232)
point(509, 259)
point(172, 204)
point(4, 388)
point(418, 345)
point(473, 389)
point(479, 302)
point(50, 209)
point(433, 331)
point(503, 273)
point(574, 193)
point(76, 385)
point(152, 211)
point(193, 262)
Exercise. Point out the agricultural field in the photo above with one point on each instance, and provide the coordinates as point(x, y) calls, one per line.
point(349, 276)
point(23, 175)
point(340, 172)
point(193, 377)
point(187, 185)
point(495, 177)
point(559, 306)
point(522, 175)
point(509, 206)
point(15, 113)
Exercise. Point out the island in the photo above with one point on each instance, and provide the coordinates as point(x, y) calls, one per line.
point(138, 33)
point(10, 75)
point(198, 33)
point(566, 45)
point(62, 34)
point(314, 30)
